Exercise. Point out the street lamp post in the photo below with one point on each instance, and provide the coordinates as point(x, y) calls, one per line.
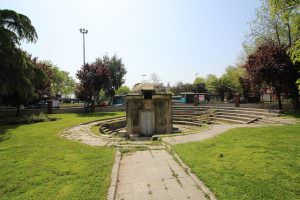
point(83, 31)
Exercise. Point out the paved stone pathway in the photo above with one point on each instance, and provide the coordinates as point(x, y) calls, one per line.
point(154, 175)
point(213, 131)
point(83, 134)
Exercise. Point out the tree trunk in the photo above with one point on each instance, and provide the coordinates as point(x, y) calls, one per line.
point(295, 97)
point(18, 110)
point(279, 100)
point(93, 105)
point(289, 34)
point(277, 35)
point(222, 97)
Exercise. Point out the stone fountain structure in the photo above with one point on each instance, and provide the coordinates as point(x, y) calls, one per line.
point(148, 110)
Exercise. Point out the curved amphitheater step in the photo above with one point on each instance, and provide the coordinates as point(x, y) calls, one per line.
point(188, 123)
point(236, 118)
point(248, 111)
point(224, 114)
point(234, 121)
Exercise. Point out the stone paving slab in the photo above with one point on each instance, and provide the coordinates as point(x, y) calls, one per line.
point(83, 134)
point(205, 134)
point(154, 174)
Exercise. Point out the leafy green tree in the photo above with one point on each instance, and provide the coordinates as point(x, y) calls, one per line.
point(210, 79)
point(62, 83)
point(199, 80)
point(23, 86)
point(117, 72)
point(221, 87)
point(233, 75)
point(277, 21)
point(14, 27)
point(16, 70)
point(182, 87)
point(123, 90)
point(288, 13)
point(295, 56)
point(200, 88)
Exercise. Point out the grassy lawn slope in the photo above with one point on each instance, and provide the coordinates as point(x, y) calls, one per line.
point(248, 163)
point(38, 164)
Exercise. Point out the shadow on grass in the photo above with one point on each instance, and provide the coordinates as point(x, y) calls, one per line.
point(4, 135)
point(295, 114)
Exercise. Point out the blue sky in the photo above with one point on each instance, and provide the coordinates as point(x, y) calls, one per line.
point(173, 38)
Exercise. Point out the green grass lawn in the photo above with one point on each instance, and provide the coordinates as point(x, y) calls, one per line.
point(248, 163)
point(95, 130)
point(36, 163)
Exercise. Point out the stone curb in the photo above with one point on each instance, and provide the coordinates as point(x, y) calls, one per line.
point(114, 177)
point(85, 123)
point(197, 181)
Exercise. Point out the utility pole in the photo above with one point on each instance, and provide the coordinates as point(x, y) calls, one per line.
point(83, 31)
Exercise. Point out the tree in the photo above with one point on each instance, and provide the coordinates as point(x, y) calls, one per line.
point(233, 75)
point(210, 79)
point(123, 90)
point(23, 86)
point(117, 72)
point(199, 80)
point(277, 21)
point(63, 83)
point(182, 87)
point(270, 67)
point(200, 87)
point(288, 12)
point(155, 78)
point(43, 79)
point(295, 56)
point(80, 92)
point(14, 27)
point(266, 27)
point(14, 62)
point(221, 87)
point(93, 78)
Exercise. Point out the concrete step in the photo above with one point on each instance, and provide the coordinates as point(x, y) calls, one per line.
point(249, 115)
point(188, 123)
point(250, 112)
point(235, 117)
point(190, 119)
point(189, 115)
point(233, 121)
point(260, 110)
point(251, 109)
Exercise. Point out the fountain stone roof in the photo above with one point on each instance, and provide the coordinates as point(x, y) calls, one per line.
point(139, 88)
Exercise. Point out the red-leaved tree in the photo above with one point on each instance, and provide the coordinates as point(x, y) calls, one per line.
point(42, 79)
point(270, 67)
point(93, 77)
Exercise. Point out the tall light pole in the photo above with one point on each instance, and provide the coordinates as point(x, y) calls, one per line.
point(83, 31)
